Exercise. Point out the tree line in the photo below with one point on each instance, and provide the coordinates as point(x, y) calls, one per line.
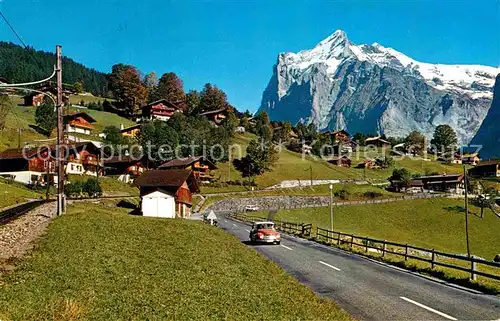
point(18, 64)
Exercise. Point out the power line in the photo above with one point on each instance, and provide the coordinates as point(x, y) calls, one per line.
point(13, 30)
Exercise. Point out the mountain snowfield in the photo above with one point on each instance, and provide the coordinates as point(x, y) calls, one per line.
point(371, 88)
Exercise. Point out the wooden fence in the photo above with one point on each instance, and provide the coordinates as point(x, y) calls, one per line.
point(470, 265)
point(407, 251)
point(300, 229)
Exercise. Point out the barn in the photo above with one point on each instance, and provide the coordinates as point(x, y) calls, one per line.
point(167, 193)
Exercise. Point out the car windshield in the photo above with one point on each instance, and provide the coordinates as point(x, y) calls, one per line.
point(264, 226)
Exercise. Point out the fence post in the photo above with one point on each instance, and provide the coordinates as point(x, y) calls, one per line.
point(384, 248)
point(406, 252)
point(338, 238)
point(473, 269)
point(352, 240)
point(366, 244)
point(433, 259)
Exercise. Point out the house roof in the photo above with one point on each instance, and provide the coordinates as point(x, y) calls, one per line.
point(84, 115)
point(375, 139)
point(173, 178)
point(16, 153)
point(340, 131)
point(121, 160)
point(411, 183)
point(488, 163)
point(162, 101)
point(181, 162)
point(210, 112)
point(124, 130)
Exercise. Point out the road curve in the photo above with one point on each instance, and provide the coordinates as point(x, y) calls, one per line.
point(370, 290)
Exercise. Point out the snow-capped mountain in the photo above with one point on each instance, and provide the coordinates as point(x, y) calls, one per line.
point(371, 88)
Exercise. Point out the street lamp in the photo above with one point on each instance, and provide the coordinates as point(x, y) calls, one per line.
point(331, 207)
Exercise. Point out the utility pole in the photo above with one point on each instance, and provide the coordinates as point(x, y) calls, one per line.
point(466, 182)
point(60, 149)
point(19, 138)
point(331, 207)
point(311, 169)
point(229, 164)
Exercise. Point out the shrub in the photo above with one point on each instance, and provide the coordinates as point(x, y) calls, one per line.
point(372, 194)
point(92, 187)
point(342, 194)
point(73, 189)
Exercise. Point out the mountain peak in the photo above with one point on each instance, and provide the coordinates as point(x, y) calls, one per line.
point(336, 38)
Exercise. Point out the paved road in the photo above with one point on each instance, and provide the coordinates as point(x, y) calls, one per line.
point(370, 290)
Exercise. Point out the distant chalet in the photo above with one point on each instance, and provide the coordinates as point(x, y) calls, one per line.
point(377, 141)
point(160, 110)
point(216, 116)
point(200, 166)
point(79, 123)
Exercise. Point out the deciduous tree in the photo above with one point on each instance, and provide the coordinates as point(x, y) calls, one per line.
point(171, 88)
point(128, 88)
point(445, 139)
point(5, 106)
point(415, 143)
point(46, 116)
point(212, 98)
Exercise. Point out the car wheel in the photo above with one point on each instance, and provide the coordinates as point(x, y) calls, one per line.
point(278, 243)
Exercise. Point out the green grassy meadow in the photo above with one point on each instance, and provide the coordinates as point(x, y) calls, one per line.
point(14, 193)
point(99, 263)
point(429, 223)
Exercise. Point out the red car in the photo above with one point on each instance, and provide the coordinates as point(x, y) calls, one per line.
point(264, 232)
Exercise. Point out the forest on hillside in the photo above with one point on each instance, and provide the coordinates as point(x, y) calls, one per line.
point(18, 64)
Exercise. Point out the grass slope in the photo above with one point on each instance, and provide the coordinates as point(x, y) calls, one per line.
point(110, 185)
point(13, 193)
point(99, 263)
point(22, 117)
point(431, 223)
point(292, 166)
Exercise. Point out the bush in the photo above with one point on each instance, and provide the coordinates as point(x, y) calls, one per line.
point(73, 189)
point(372, 194)
point(92, 187)
point(342, 194)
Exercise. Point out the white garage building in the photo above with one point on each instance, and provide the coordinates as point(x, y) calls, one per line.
point(167, 193)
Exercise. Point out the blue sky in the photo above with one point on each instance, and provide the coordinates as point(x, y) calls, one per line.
point(234, 44)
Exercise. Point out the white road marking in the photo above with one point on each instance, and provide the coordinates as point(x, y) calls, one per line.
point(225, 221)
point(248, 231)
point(330, 266)
point(235, 225)
point(286, 247)
point(428, 308)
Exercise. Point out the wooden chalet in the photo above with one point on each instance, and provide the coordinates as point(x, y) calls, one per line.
point(167, 193)
point(28, 165)
point(339, 136)
point(451, 183)
point(486, 169)
point(161, 110)
point(131, 131)
point(343, 161)
point(216, 116)
point(79, 123)
point(413, 186)
point(378, 142)
point(32, 165)
point(126, 167)
point(471, 159)
point(200, 166)
point(33, 99)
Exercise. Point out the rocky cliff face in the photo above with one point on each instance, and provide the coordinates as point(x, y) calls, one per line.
point(373, 89)
point(488, 135)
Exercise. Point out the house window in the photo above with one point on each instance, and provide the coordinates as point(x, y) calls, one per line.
point(72, 167)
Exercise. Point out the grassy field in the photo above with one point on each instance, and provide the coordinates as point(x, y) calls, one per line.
point(292, 166)
point(110, 185)
point(99, 263)
point(23, 117)
point(13, 193)
point(430, 223)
